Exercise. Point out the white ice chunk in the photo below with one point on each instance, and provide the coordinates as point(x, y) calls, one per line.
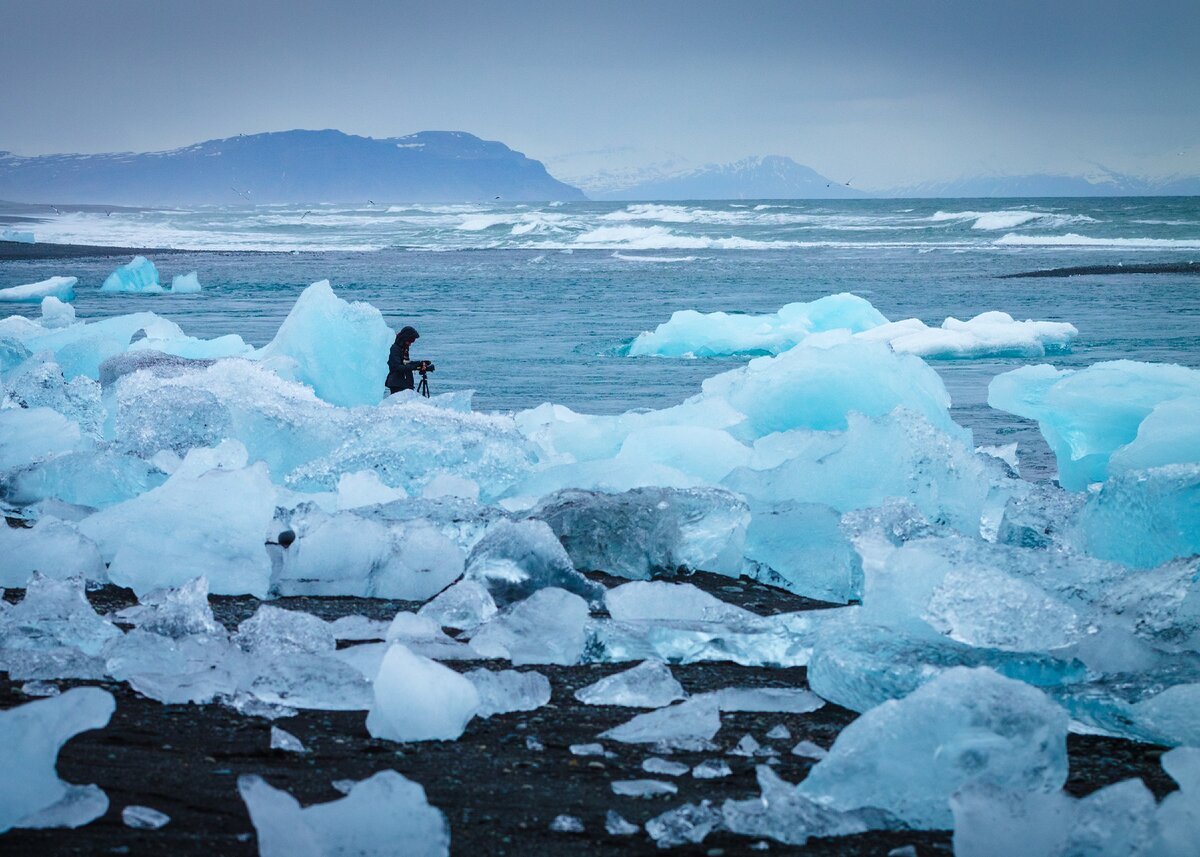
point(139, 275)
point(283, 740)
point(62, 288)
point(337, 348)
point(616, 825)
point(417, 699)
point(659, 600)
point(509, 690)
point(445, 484)
point(690, 721)
point(711, 769)
point(365, 488)
point(587, 750)
point(516, 558)
point(174, 613)
point(643, 788)
point(566, 824)
point(792, 700)
point(30, 737)
point(144, 818)
point(1088, 415)
point(1114, 821)
point(719, 334)
point(30, 434)
point(648, 685)
point(966, 728)
point(783, 813)
point(212, 524)
point(464, 606)
point(50, 546)
point(808, 750)
point(662, 530)
point(655, 765)
point(378, 815)
point(185, 284)
point(549, 627)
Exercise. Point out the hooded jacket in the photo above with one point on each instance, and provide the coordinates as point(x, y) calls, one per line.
point(400, 368)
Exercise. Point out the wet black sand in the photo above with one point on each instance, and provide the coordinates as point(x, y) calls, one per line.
point(499, 796)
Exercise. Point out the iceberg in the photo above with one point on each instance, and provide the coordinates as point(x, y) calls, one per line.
point(1089, 415)
point(989, 334)
point(417, 699)
point(62, 288)
point(966, 728)
point(378, 816)
point(30, 737)
point(139, 275)
point(693, 334)
point(185, 284)
point(332, 346)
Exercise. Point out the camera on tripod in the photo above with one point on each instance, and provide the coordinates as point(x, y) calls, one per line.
point(424, 367)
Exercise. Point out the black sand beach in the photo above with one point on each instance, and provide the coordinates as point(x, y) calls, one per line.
point(498, 795)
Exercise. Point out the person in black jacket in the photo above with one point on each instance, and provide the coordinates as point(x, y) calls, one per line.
point(400, 368)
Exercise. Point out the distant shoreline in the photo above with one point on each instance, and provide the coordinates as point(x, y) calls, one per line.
point(1105, 270)
point(11, 251)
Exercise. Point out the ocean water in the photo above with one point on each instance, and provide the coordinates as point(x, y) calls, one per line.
point(532, 303)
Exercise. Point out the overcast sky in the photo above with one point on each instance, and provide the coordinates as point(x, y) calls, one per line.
point(884, 93)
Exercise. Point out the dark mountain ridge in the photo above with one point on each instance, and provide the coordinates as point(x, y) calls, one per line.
point(289, 167)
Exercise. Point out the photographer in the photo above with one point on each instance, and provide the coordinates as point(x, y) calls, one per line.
point(400, 368)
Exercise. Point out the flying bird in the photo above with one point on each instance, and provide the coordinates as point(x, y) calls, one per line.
point(243, 194)
point(306, 214)
point(370, 202)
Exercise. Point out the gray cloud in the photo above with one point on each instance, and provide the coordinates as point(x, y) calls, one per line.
point(885, 91)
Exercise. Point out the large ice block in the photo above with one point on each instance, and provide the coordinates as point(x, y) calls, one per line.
point(417, 699)
point(62, 288)
point(1088, 415)
point(138, 275)
point(548, 627)
point(383, 815)
point(662, 530)
point(212, 523)
point(337, 348)
point(30, 737)
point(966, 728)
point(514, 559)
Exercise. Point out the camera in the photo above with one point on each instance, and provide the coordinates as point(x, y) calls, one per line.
point(425, 366)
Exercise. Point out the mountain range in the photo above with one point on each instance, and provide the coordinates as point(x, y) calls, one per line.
point(767, 177)
point(454, 166)
point(289, 167)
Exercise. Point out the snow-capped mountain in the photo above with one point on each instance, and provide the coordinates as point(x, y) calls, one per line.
point(289, 166)
point(766, 177)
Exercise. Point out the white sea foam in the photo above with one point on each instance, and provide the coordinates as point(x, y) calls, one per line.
point(1073, 240)
point(1010, 219)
